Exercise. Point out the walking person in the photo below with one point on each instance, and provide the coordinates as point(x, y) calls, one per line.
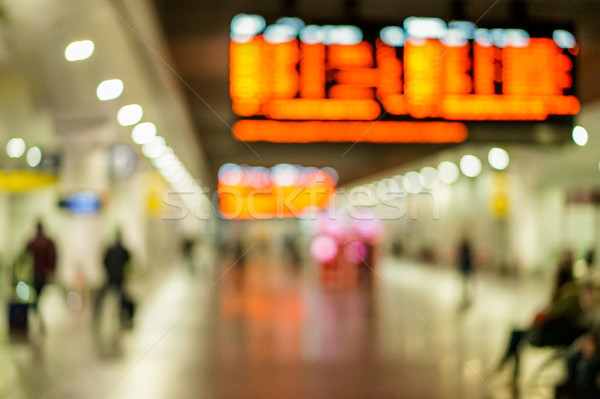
point(43, 252)
point(115, 260)
point(466, 268)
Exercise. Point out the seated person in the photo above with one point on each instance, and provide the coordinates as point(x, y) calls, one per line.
point(560, 325)
point(583, 369)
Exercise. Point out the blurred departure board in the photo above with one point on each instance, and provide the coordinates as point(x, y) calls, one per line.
point(290, 82)
point(279, 192)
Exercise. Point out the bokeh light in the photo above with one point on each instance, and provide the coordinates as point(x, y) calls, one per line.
point(580, 136)
point(324, 248)
point(15, 148)
point(448, 172)
point(109, 89)
point(470, 166)
point(498, 158)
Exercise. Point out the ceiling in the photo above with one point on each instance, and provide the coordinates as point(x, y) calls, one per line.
point(52, 103)
point(178, 71)
point(197, 35)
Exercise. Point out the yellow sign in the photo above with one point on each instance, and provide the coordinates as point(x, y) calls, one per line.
point(21, 180)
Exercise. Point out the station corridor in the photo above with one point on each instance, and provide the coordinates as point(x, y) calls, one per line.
point(270, 331)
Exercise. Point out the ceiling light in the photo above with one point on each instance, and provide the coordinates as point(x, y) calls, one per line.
point(109, 89)
point(498, 158)
point(34, 156)
point(470, 165)
point(80, 50)
point(15, 148)
point(143, 133)
point(130, 114)
point(429, 177)
point(448, 172)
point(154, 148)
point(580, 136)
point(412, 182)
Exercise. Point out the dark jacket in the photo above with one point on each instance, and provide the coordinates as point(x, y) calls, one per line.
point(115, 260)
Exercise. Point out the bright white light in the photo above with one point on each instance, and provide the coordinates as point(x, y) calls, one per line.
point(109, 89)
point(483, 37)
point(470, 165)
point(293, 22)
point(454, 38)
point(497, 37)
point(143, 133)
point(312, 34)
point(80, 50)
point(412, 182)
point(466, 28)
point(230, 174)
point(244, 27)
point(429, 177)
point(580, 136)
point(279, 34)
point(342, 34)
point(516, 38)
point(564, 39)
point(393, 36)
point(154, 148)
point(178, 177)
point(165, 160)
point(284, 175)
point(15, 148)
point(425, 27)
point(498, 158)
point(171, 169)
point(23, 291)
point(34, 157)
point(448, 172)
point(130, 114)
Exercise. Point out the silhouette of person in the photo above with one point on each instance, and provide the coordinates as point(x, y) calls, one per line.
point(187, 250)
point(466, 268)
point(115, 259)
point(43, 251)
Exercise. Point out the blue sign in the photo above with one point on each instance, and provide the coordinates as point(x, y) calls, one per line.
point(84, 202)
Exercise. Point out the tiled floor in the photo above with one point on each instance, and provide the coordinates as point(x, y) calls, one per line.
point(271, 333)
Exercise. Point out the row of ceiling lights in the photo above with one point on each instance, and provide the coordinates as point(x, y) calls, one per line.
point(15, 148)
point(448, 172)
point(153, 146)
point(428, 178)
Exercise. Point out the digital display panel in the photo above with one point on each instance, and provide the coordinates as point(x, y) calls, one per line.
point(285, 190)
point(82, 203)
point(440, 74)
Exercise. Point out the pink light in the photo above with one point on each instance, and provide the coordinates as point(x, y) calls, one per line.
point(324, 249)
point(355, 252)
point(333, 225)
point(368, 226)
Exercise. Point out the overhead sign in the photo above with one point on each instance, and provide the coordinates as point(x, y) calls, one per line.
point(282, 191)
point(424, 70)
point(82, 203)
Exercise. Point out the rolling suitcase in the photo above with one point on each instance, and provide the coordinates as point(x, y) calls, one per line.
point(18, 321)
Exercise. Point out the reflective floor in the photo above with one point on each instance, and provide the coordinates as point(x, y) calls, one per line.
point(268, 331)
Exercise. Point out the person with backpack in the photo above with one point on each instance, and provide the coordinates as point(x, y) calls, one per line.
point(116, 258)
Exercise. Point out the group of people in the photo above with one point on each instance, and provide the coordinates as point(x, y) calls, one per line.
point(571, 320)
point(42, 250)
